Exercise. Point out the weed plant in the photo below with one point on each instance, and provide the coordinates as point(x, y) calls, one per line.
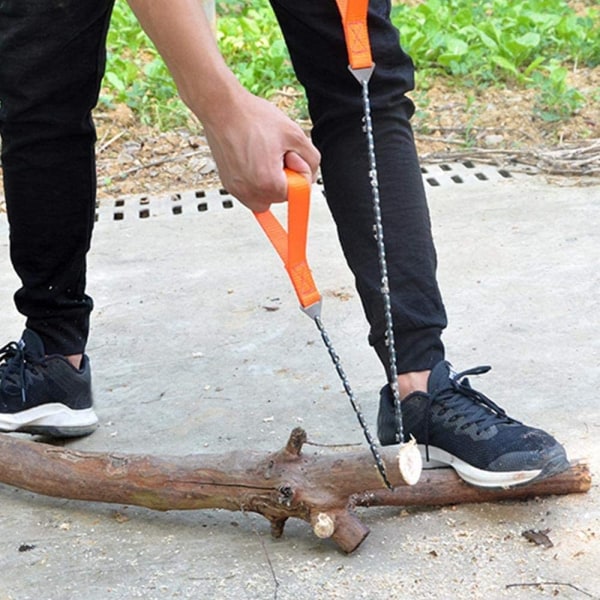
point(474, 44)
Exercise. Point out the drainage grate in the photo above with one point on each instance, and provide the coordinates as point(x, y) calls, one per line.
point(195, 202)
point(173, 205)
point(466, 172)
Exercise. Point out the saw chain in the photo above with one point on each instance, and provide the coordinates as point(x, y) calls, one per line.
point(291, 247)
point(361, 65)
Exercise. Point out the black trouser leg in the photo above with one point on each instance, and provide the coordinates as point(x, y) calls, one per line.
point(314, 36)
point(52, 56)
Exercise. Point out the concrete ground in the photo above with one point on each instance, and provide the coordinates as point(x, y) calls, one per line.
point(198, 346)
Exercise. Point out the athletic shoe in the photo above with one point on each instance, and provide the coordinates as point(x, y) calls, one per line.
point(42, 394)
point(455, 425)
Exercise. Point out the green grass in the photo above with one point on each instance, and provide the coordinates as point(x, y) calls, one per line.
point(250, 41)
point(137, 76)
point(497, 40)
point(532, 43)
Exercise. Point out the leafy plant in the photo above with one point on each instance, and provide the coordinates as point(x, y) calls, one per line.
point(556, 100)
point(496, 41)
point(500, 43)
point(249, 39)
point(251, 43)
point(137, 76)
point(474, 44)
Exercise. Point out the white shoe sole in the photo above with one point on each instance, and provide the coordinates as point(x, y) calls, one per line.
point(473, 475)
point(53, 419)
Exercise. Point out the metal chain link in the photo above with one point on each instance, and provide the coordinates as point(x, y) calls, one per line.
point(385, 287)
point(361, 419)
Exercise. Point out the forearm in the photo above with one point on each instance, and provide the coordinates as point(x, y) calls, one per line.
point(251, 140)
point(184, 38)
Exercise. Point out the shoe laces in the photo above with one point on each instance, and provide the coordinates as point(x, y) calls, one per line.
point(13, 361)
point(474, 406)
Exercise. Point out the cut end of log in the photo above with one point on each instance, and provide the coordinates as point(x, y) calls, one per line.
point(410, 462)
point(323, 525)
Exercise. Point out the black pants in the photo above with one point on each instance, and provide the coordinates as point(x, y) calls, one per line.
point(51, 65)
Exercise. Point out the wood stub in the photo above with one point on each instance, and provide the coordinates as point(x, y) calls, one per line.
point(350, 531)
point(296, 440)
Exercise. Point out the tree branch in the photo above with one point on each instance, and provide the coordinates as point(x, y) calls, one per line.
point(321, 489)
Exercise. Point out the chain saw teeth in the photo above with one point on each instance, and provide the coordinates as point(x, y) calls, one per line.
point(354, 403)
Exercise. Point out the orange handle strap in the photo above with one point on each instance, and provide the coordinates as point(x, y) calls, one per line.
point(354, 20)
point(291, 245)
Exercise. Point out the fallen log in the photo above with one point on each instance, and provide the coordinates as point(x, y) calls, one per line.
point(322, 489)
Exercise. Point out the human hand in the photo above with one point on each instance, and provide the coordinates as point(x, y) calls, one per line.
point(252, 141)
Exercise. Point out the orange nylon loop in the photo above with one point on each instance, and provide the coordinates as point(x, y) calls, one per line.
point(354, 20)
point(291, 245)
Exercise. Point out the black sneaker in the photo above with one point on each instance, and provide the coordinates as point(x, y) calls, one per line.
point(42, 394)
point(457, 426)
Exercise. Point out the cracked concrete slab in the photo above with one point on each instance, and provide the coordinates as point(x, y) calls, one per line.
point(197, 345)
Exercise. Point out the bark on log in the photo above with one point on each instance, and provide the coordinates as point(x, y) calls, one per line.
point(321, 489)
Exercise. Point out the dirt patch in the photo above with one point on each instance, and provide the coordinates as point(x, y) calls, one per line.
point(498, 125)
point(503, 118)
